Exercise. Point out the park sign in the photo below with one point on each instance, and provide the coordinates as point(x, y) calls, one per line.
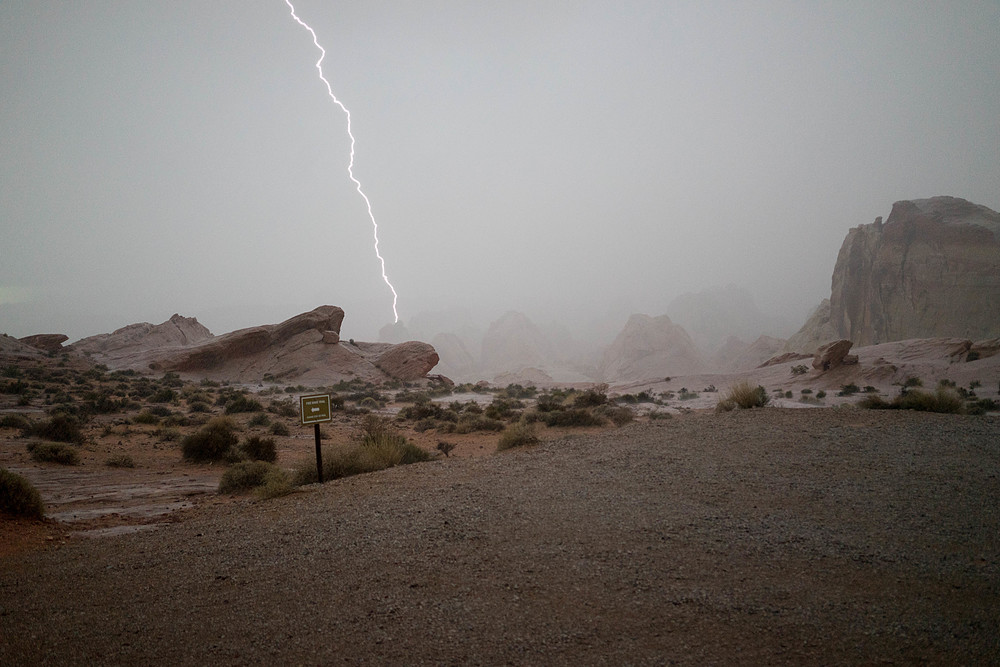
point(315, 409)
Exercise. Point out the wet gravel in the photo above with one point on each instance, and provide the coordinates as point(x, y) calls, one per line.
point(771, 536)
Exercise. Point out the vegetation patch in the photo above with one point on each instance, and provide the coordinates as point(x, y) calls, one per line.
point(745, 396)
point(214, 441)
point(378, 446)
point(265, 479)
point(54, 452)
point(257, 448)
point(520, 434)
point(18, 497)
point(61, 428)
point(119, 461)
point(944, 400)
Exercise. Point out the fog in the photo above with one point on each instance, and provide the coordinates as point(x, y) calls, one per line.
point(576, 161)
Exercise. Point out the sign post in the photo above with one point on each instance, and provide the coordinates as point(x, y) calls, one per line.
point(315, 409)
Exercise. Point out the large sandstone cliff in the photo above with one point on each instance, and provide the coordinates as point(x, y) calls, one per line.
point(931, 270)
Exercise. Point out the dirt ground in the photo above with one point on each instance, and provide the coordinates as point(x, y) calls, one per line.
point(771, 536)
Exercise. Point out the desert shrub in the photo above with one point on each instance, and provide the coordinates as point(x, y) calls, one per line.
point(685, 395)
point(788, 394)
point(590, 399)
point(369, 403)
point(279, 428)
point(503, 408)
point(168, 433)
point(849, 389)
point(982, 406)
point(54, 452)
point(243, 403)
point(806, 392)
point(119, 461)
point(574, 417)
point(15, 421)
point(972, 356)
point(267, 478)
point(379, 446)
point(913, 381)
point(445, 447)
point(163, 395)
point(820, 394)
point(61, 428)
point(260, 419)
point(212, 442)
point(146, 417)
point(199, 406)
point(800, 369)
point(745, 396)
point(283, 409)
point(18, 497)
point(422, 410)
point(473, 422)
point(519, 434)
point(943, 400)
point(870, 389)
point(548, 403)
point(257, 448)
point(656, 414)
point(619, 415)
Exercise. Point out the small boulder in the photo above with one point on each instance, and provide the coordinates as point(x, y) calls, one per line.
point(411, 360)
point(832, 355)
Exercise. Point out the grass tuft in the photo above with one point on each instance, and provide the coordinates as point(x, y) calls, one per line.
point(745, 396)
point(519, 434)
point(212, 442)
point(54, 452)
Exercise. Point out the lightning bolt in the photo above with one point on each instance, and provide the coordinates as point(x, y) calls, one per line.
point(350, 164)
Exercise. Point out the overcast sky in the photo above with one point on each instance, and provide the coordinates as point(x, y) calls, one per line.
point(565, 159)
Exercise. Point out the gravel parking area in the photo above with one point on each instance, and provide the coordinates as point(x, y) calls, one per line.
point(770, 536)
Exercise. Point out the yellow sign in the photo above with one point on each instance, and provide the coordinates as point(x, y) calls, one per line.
point(315, 409)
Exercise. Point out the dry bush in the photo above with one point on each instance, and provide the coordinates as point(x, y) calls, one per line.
point(54, 452)
point(212, 442)
point(743, 395)
point(265, 479)
point(517, 435)
point(18, 497)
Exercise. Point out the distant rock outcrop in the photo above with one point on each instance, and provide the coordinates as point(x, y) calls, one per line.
point(455, 360)
point(304, 348)
point(45, 342)
point(514, 342)
point(931, 270)
point(712, 316)
point(648, 348)
point(736, 355)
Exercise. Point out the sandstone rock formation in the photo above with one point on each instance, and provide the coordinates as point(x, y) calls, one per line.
point(116, 348)
point(407, 361)
point(305, 348)
point(833, 355)
point(650, 348)
point(45, 342)
point(931, 270)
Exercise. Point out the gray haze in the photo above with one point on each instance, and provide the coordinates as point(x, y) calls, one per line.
point(576, 161)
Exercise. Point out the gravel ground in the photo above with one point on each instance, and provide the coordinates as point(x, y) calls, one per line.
point(769, 537)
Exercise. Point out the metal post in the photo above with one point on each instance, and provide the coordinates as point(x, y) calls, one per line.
point(319, 456)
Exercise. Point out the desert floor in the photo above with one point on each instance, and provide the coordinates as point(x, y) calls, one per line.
point(772, 536)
